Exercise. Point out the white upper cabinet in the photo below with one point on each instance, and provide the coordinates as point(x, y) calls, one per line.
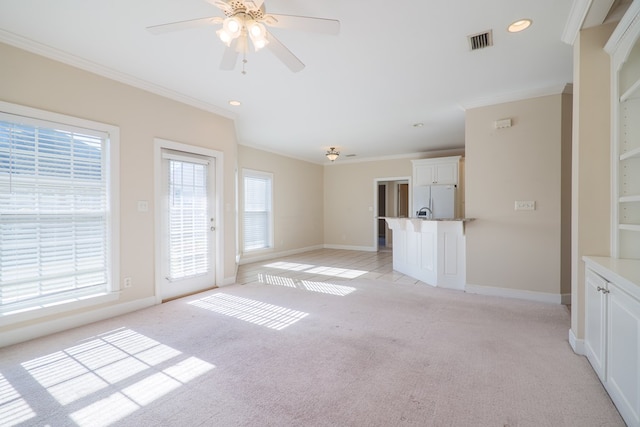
point(440, 170)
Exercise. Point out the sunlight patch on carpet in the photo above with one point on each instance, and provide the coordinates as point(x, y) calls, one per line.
point(14, 409)
point(307, 285)
point(252, 311)
point(115, 373)
point(346, 273)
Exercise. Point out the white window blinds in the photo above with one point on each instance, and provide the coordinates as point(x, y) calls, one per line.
point(53, 213)
point(188, 218)
point(257, 222)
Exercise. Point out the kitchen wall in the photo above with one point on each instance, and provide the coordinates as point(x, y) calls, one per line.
point(38, 82)
point(591, 217)
point(518, 253)
point(298, 198)
point(349, 189)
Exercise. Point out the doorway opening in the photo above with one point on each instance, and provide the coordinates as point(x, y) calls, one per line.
point(391, 200)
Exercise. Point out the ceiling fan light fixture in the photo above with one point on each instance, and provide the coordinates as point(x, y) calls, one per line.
point(332, 154)
point(258, 34)
point(233, 26)
point(259, 44)
point(224, 36)
point(256, 29)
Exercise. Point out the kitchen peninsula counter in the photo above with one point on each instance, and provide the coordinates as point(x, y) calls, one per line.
point(430, 250)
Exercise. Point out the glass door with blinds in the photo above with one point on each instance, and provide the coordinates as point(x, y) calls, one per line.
point(188, 224)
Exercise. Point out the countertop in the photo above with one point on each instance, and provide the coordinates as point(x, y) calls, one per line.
point(623, 272)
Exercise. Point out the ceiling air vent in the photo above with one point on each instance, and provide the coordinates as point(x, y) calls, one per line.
point(481, 40)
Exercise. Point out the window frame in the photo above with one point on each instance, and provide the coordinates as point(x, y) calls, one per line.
point(270, 221)
point(30, 115)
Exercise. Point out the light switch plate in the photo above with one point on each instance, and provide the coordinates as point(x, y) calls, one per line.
point(525, 205)
point(143, 206)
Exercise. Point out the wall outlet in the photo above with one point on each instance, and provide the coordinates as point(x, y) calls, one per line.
point(525, 205)
point(127, 282)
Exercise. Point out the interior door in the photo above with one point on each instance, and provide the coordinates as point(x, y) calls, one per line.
point(403, 200)
point(188, 224)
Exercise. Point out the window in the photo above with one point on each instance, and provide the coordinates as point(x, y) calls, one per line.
point(56, 218)
point(257, 222)
point(188, 217)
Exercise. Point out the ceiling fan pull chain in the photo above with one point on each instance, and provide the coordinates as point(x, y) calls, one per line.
point(244, 61)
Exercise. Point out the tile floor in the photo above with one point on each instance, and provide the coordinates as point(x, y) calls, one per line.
point(324, 265)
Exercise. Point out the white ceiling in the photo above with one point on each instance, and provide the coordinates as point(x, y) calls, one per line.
point(394, 63)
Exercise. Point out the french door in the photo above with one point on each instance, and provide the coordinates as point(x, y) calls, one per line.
point(188, 224)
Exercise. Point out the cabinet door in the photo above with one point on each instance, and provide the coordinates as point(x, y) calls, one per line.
point(424, 174)
point(595, 311)
point(446, 173)
point(623, 355)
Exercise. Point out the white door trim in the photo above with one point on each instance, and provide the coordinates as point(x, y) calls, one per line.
point(158, 146)
point(376, 182)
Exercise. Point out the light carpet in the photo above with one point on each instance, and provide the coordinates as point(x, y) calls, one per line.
point(352, 353)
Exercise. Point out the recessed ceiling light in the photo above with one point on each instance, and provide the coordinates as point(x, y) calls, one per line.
point(519, 25)
point(235, 103)
point(418, 125)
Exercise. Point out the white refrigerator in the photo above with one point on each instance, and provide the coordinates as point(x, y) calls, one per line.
point(435, 201)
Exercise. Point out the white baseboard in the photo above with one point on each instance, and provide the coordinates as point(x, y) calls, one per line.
point(228, 281)
point(49, 327)
point(352, 248)
point(518, 294)
point(576, 344)
point(272, 254)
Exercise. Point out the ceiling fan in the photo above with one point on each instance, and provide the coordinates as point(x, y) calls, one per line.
point(247, 20)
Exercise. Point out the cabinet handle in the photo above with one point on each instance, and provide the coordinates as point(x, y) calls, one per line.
point(604, 290)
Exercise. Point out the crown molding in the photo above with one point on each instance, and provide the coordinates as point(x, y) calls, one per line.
point(341, 161)
point(95, 68)
point(418, 155)
point(585, 14)
point(577, 16)
point(625, 35)
point(279, 153)
point(517, 96)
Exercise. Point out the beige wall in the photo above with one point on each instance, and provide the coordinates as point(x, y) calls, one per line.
point(516, 250)
point(349, 208)
point(591, 216)
point(35, 81)
point(298, 200)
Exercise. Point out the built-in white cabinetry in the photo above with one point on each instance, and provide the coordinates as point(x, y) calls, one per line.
point(612, 284)
point(440, 170)
point(612, 330)
point(594, 334)
point(624, 48)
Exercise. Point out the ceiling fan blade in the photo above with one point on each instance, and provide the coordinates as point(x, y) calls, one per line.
point(303, 23)
point(283, 54)
point(230, 57)
point(184, 25)
point(220, 4)
point(253, 4)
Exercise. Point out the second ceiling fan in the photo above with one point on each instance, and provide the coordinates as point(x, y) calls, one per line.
point(247, 20)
